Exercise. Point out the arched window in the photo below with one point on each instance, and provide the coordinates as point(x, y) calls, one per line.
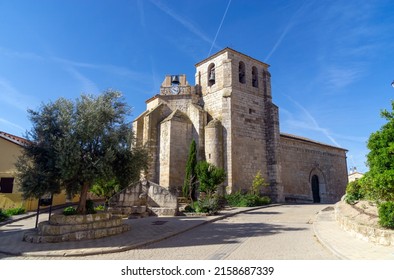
point(211, 74)
point(255, 80)
point(241, 72)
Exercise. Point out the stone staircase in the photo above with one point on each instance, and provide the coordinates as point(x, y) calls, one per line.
point(182, 203)
point(143, 199)
point(131, 212)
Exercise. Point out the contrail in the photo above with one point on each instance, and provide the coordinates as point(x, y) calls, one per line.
point(220, 26)
point(188, 25)
point(315, 125)
point(292, 21)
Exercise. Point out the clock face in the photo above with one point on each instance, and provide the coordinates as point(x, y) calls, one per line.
point(175, 89)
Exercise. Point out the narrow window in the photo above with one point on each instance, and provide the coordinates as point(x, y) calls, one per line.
point(6, 185)
point(211, 74)
point(241, 72)
point(255, 81)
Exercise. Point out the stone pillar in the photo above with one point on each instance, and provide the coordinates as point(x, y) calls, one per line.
point(214, 143)
point(272, 135)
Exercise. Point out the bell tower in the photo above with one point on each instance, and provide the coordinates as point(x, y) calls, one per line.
point(236, 94)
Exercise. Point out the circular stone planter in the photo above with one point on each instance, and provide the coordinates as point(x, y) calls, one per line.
point(60, 219)
point(62, 228)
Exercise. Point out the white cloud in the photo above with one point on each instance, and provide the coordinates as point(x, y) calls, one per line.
point(112, 69)
point(88, 86)
point(11, 96)
point(11, 124)
point(20, 55)
point(337, 77)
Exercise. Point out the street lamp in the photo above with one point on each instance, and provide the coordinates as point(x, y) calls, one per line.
point(392, 83)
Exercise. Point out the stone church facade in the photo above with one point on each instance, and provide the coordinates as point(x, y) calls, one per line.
point(230, 114)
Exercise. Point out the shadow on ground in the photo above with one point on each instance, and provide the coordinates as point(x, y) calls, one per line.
point(147, 232)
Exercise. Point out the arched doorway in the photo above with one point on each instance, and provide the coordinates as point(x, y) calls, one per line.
point(315, 189)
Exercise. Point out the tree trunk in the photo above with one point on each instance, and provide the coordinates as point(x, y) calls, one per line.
point(82, 200)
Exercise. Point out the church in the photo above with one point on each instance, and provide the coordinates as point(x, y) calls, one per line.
point(230, 114)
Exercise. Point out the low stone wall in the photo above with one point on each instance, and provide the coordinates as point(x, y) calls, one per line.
point(361, 220)
point(62, 228)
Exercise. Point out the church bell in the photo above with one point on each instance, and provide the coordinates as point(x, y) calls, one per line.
point(175, 79)
point(212, 77)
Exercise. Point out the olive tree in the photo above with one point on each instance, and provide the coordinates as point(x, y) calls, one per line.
point(73, 144)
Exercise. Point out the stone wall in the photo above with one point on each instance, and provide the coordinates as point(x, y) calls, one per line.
point(145, 196)
point(181, 137)
point(248, 139)
point(361, 221)
point(301, 159)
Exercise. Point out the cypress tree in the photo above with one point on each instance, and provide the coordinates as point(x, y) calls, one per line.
point(189, 185)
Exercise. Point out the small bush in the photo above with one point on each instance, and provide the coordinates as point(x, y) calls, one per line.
point(238, 199)
point(90, 207)
point(3, 216)
point(386, 214)
point(264, 200)
point(15, 211)
point(68, 211)
point(190, 208)
point(99, 208)
point(354, 192)
point(208, 205)
point(258, 183)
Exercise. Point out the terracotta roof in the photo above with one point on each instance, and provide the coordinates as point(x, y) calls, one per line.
point(14, 139)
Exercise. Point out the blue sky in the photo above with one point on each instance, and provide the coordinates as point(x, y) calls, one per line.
point(331, 61)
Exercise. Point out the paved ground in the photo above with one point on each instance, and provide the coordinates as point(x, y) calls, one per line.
point(276, 232)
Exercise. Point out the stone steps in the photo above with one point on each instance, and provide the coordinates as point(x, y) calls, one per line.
point(162, 211)
point(132, 212)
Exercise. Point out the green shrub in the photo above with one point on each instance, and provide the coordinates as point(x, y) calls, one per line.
point(354, 191)
point(3, 216)
point(234, 199)
point(69, 211)
point(238, 199)
point(90, 207)
point(264, 200)
point(386, 214)
point(189, 209)
point(258, 183)
point(99, 208)
point(208, 205)
point(351, 199)
point(15, 211)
